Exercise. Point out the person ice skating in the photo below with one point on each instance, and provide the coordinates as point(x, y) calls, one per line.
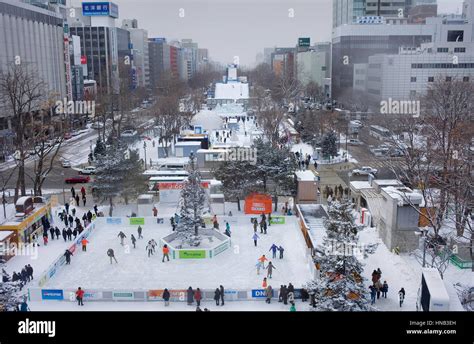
point(262, 260)
point(401, 296)
point(149, 248)
point(198, 297)
point(95, 210)
point(384, 289)
point(45, 240)
point(222, 294)
point(190, 296)
point(255, 237)
point(270, 268)
point(274, 249)
point(281, 250)
point(255, 225)
point(155, 212)
point(74, 232)
point(166, 252)
point(89, 216)
point(166, 297)
point(217, 296)
point(80, 296)
point(373, 294)
point(139, 230)
point(268, 294)
point(111, 255)
point(264, 283)
point(134, 241)
point(68, 255)
point(227, 230)
point(84, 243)
point(153, 244)
point(122, 236)
point(173, 224)
point(258, 266)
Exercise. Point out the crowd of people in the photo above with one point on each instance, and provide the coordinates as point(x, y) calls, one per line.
point(379, 289)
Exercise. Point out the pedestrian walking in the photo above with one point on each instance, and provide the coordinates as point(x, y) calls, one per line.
point(190, 296)
point(57, 232)
point(166, 297)
point(166, 252)
point(83, 191)
point(255, 237)
point(66, 206)
point(274, 249)
point(198, 297)
point(222, 294)
point(122, 236)
point(84, 243)
point(255, 225)
point(80, 296)
point(69, 234)
point(378, 287)
point(384, 289)
point(268, 294)
point(149, 248)
point(68, 255)
point(155, 211)
point(139, 230)
point(401, 296)
point(217, 296)
point(270, 268)
point(73, 192)
point(95, 210)
point(111, 255)
point(64, 234)
point(373, 294)
point(77, 200)
point(84, 199)
point(45, 240)
point(134, 241)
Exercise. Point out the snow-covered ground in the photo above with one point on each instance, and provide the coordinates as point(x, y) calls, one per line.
point(235, 268)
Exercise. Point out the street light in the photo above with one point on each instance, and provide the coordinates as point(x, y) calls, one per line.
point(144, 148)
point(64, 195)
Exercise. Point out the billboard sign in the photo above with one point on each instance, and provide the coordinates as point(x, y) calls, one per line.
point(192, 254)
point(52, 294)
point(304, 41)
point(92, 9)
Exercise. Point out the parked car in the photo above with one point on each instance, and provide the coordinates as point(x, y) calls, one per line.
point(66, 163)
point(77, 179)
point(129, 133)
point(88, 170)
point(97, 125)
point(364, 171)
point(396, 152)
point(354, 142)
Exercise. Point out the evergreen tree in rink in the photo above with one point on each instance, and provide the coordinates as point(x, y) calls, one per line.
point(193, 205)
point(340, 286)
point(9, 292)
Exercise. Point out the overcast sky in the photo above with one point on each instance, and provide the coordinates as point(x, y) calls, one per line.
point(241, 28)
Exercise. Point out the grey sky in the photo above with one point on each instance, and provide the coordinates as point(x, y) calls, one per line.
point(241, 28)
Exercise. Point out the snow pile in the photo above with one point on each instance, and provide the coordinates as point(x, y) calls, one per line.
point(232, 90)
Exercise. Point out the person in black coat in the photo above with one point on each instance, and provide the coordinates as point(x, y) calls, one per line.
point(64, 232)
point(291, 288)
point(77, 200)
point(284, 295)
point(166, 297)
point(69, 234)
point(73, 211)
point(89, 216)
point(304, 295)
point(66, 222)
point(67, 208)
point(57, 232)
point(221, 290)
point(29, 270)
point(74, 232)
point(51, 231)
point(190, 296)
point(96, 210)
point(70, 220)
point(68, 255)
point(217, 296)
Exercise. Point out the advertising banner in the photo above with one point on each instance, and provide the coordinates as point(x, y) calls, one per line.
point(258, 293)
point(52, 294)
point(114, 221)
point(135, 221)
point(122, 295)
point(192, 254)
point(258, 204)
point(175, 295)
point(277, 220)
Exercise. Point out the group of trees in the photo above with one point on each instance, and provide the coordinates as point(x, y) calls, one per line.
point(438, 161)
point(272, 172)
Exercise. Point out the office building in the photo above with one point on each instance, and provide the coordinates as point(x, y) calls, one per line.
point(140, 53)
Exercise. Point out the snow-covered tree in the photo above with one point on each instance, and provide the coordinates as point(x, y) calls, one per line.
point(340, 286)
point(193, 205)
point(329, 145)
point(9, 291)
point(119, 173)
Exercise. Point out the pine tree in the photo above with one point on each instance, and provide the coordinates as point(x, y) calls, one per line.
point(329, 145)
point(340, 286)
point(9, 292)
point(193, 205)
point(99, 148)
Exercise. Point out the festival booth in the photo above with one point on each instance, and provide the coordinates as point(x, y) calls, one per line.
point(256, 203)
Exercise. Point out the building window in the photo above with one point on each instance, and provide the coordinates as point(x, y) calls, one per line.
point(455, 35)
point(443, 50)
point(413, 79)
point(465, 79)
point(431, 79)
point(412, 94)
point(448, 79)
point(459, 50)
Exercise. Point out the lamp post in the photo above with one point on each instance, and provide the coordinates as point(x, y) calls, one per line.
point(144, 148)
point(64, 195)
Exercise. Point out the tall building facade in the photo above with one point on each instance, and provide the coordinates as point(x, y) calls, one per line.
point(159, 60)
point(140, 52)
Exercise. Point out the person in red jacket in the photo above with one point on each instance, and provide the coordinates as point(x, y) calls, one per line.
point(79, 296)
point(198, 296)
point(155, 212)
point(166, 252)
point(45, 240)
point(83, 191)
point(84, 243)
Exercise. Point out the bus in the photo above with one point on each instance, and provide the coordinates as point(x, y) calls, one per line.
point(379, 132)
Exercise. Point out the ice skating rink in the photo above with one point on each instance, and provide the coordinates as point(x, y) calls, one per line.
point(234, 268)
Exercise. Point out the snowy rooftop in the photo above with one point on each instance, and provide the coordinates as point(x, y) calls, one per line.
point(403, 195)
point(387, 182)
point(305, 176)
point(358, 185)
point(4, 234)
point(232, 90)
point(187, 143)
